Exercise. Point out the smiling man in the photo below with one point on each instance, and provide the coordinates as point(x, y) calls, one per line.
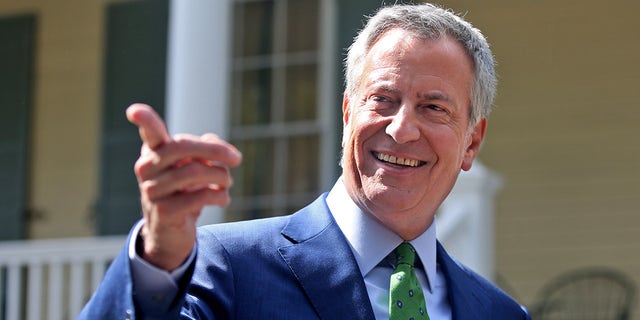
point(408, 129)
point(420, 84)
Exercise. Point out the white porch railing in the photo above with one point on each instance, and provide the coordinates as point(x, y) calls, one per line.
point(52, 279)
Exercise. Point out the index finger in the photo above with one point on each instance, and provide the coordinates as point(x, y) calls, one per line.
point(153, 131)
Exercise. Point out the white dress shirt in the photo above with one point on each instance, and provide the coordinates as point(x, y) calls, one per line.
point(371, 243)
point(154, 285)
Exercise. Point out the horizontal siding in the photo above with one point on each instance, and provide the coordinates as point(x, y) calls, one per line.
point(563, 136)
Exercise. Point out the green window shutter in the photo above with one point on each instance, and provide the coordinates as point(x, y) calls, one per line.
point(350, 19)
point(16, 77)
point(135, 67)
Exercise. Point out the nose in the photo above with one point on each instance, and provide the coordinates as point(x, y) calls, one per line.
point(403, 127)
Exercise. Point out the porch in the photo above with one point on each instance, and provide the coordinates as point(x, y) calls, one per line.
point(52, 279)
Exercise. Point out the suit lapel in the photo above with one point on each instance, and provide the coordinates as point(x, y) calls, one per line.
point(464, 297)
point(323, 263)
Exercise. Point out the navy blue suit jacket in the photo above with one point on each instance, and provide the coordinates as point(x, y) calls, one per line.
point(292, 267)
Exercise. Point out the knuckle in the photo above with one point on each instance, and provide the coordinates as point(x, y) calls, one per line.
point(230, 181)
point(193, 169)
point(148, 188)
point(139, 165)
point(144, 166)
point(220, 176)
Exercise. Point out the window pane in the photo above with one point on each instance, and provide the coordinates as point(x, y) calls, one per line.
point(256, 172)
point(302, 31)
point(303, 164)
point(301, 93)
point(252, 99)
point(253, 28)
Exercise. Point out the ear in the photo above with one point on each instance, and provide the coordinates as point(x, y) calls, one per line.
point(346, 116)
point(473, 145)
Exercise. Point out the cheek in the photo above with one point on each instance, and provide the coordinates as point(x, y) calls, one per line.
point(352, 140)
point(349, 163)
point(365, 129)
point(448, 145)
point(347, 143)
point(350, 132)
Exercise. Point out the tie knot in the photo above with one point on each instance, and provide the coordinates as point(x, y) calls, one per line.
point(405, 253)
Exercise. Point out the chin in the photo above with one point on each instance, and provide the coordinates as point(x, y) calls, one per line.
point(388, 199)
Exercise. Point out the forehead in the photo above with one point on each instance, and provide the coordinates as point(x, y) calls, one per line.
point(401, 56)
point(398, 43)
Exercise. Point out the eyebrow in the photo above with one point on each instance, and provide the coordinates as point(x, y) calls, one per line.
point(434, 95)
point(386, 88)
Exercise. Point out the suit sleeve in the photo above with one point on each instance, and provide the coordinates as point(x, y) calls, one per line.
point(114, 297)
point(117, 297)
point(155, 288)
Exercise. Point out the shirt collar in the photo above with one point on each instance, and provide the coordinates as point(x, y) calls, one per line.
point(370, 241)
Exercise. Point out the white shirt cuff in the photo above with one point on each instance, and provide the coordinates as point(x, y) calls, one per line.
point(154, 287)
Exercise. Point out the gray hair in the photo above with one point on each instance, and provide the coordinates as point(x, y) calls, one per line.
point(429, 22)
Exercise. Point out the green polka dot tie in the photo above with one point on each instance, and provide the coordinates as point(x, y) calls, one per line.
point(406, 300)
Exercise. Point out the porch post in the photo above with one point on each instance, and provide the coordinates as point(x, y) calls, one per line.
point(465, 220)
point(198, 72)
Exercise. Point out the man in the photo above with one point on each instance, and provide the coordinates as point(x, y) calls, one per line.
point(420, 84)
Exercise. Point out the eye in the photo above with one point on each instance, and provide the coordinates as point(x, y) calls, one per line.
point(434, 107)
point(378, 98)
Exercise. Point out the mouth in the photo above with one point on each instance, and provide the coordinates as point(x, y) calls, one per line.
point(411, 163)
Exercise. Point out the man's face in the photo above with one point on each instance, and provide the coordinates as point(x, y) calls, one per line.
point(406, 134)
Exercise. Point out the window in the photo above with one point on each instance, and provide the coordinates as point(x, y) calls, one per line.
point(136, 41)
point(283, 111)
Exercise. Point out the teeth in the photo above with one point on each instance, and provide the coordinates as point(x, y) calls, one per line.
point(397, 160)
